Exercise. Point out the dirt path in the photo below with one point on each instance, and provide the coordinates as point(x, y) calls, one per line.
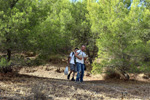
point(44, 83)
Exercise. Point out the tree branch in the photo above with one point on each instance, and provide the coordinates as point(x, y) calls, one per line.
point(13, 3)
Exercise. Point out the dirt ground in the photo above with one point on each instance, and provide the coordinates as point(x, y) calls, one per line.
point(45, 83)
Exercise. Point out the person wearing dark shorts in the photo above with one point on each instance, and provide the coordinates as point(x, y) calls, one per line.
point(73, 67)
point(72, 62)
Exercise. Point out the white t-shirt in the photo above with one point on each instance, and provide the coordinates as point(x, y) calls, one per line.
point(83, 55)
point(72, 58)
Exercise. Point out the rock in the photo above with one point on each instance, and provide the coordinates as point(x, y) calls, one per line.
point(145, 77)
point(88, 74)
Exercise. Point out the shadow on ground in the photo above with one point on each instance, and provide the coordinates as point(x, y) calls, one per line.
point(15, 87)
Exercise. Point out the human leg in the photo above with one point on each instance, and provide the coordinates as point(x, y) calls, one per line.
point(82, 73)
point(71, 70)
point(78, 71)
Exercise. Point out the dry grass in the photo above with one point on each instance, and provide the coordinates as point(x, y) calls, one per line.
point(44, 83)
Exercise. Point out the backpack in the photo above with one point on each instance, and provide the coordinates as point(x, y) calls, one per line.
point(74, 57)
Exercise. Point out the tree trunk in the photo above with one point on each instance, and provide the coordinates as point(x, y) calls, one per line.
point(8, 54)
point(13, 3)
point(88, 52)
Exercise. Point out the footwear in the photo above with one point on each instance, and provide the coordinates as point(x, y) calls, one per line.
point(72, 79)
point(68, 77)
point(78, 82)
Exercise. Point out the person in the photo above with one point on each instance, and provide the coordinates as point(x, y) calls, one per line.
point(80, 59)
point(72, 62)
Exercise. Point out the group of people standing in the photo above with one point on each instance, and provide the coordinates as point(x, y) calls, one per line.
point(77, 60)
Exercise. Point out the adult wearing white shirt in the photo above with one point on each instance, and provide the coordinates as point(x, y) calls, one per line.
point(72, 62)
point(80, 59)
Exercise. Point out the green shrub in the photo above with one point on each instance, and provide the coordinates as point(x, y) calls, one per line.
point(111, 74)
point(124, 43)
point(4, 64)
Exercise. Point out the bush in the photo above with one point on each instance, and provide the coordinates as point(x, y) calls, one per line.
point(124, 39)
point(111, 74)
point(111, 71)
point(5, 65)
point(38, 92)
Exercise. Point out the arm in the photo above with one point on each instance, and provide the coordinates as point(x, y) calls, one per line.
point(69, 58)
point(76, 54)
point(85, 58)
